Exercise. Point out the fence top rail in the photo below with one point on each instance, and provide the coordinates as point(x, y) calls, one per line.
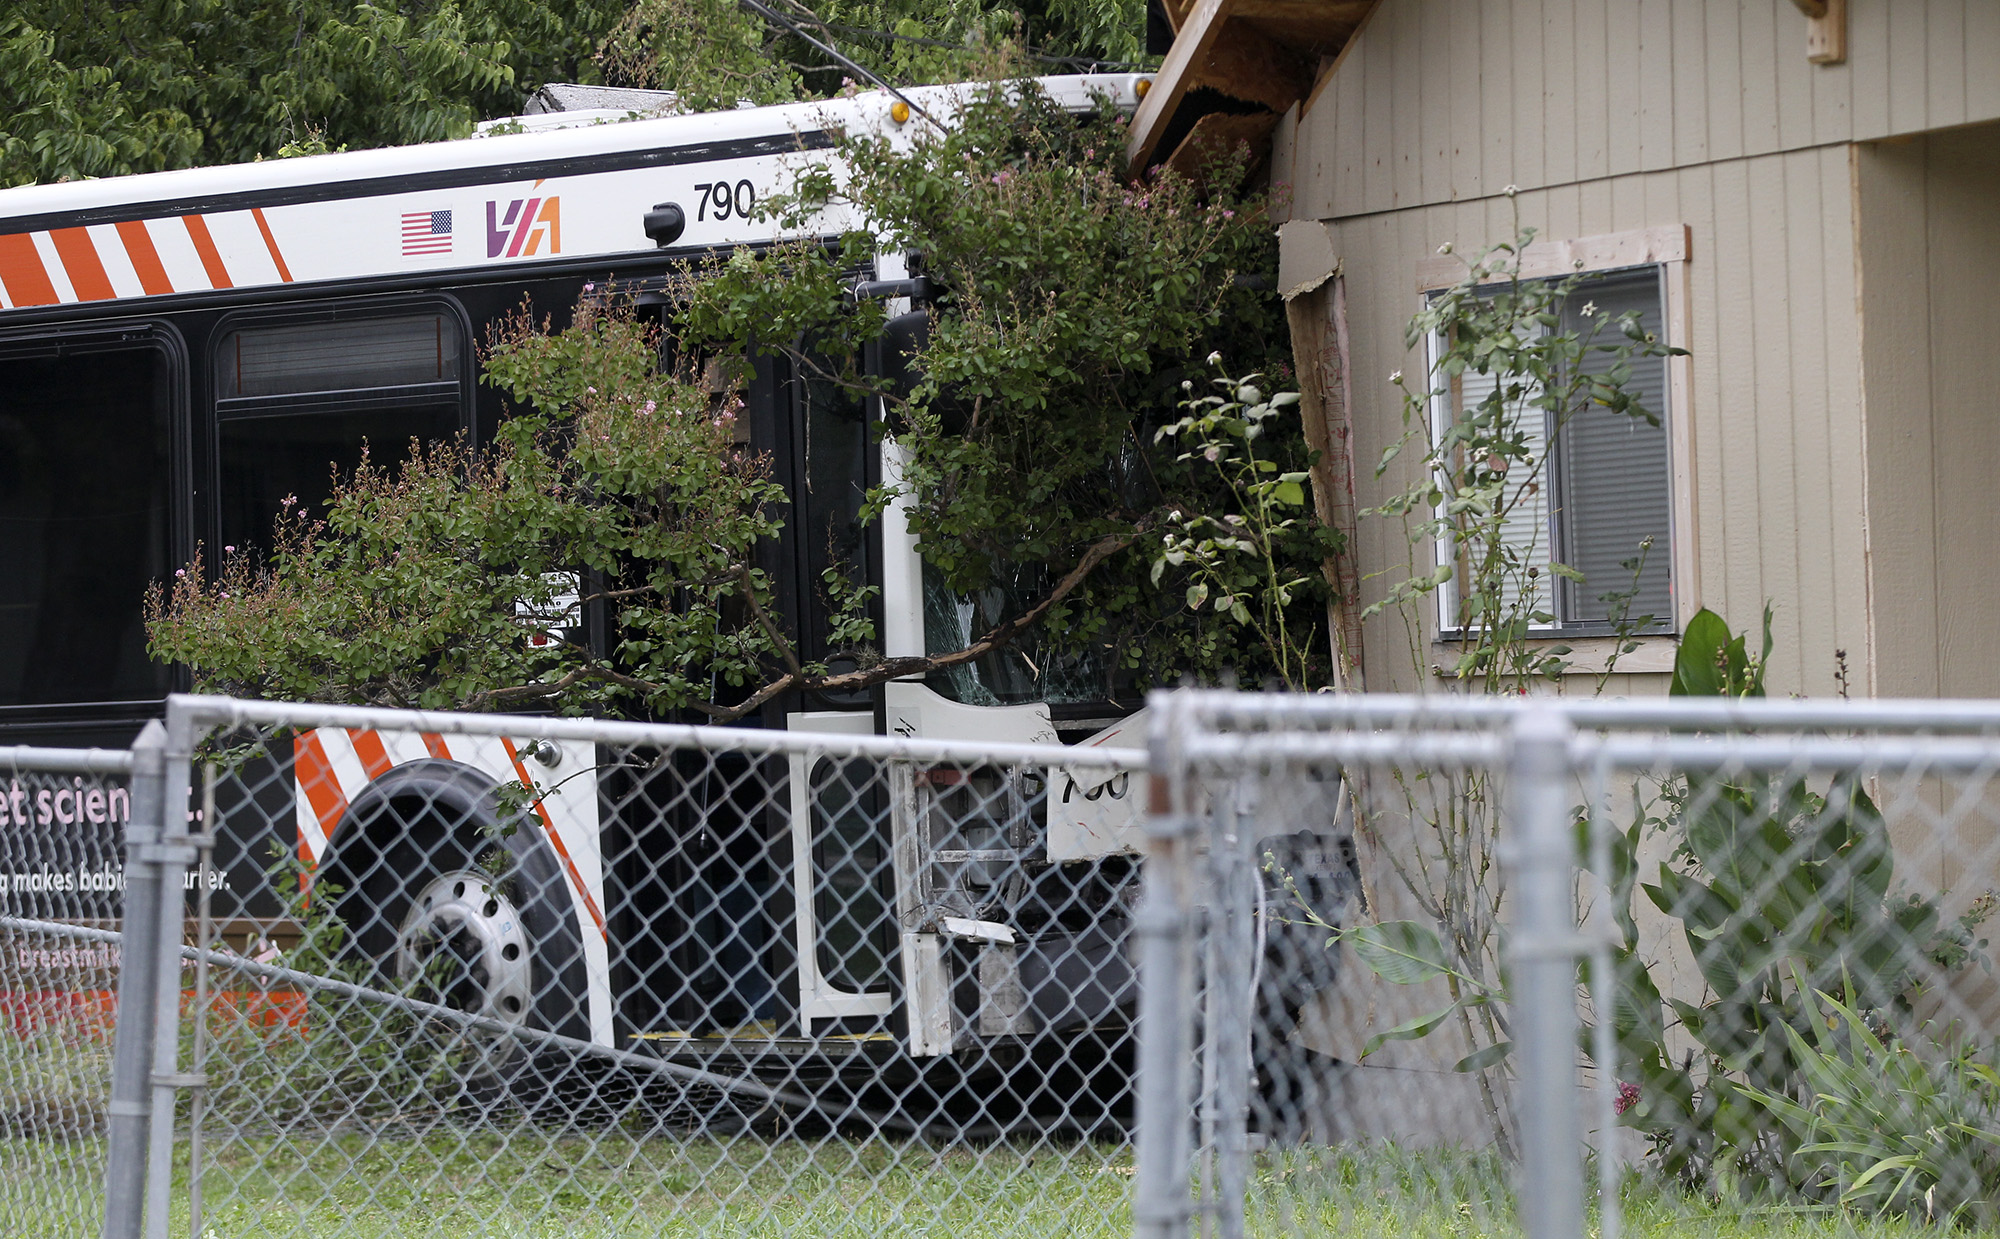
point(1250, 752)
point(203, 714)
point(1218, 709)
point(1867, 754)
point(24, 757)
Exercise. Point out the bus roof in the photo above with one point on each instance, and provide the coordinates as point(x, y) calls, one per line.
point(564, 194)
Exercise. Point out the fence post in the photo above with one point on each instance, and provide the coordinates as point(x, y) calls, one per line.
point(1163, 925)
point(138, 964)
point(175, 852)
point(1231, 1004)
point(1543, 946)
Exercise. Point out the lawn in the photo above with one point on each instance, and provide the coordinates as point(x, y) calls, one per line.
point(595, 1187)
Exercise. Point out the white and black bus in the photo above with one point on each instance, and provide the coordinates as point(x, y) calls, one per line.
point(181, 351)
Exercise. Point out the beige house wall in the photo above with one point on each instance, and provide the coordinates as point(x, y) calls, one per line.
point(1929, 261)
point(1770, 399)
point(1620, 115)
point(1838, 423)
point(1446, 100)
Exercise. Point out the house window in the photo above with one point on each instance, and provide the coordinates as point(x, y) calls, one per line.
point(1604, 489)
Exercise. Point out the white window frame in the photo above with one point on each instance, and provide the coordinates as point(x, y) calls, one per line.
point(1667, 249)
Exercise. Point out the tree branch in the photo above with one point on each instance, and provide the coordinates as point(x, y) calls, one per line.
point(896, 668)
point(796, 677)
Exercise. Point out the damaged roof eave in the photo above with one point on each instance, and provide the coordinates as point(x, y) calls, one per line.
point(1254, 57)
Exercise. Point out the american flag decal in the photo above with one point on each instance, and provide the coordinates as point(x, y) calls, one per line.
point(427, 232)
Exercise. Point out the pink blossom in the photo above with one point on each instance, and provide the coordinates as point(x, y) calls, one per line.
point(180, 572)
point(1229, 215)
point(229, 550)
point(1628, 1096)
point(649, 406)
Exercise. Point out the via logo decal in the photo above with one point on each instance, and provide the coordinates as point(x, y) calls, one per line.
point(527, 223)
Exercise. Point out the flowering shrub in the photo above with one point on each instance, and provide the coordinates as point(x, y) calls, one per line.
point(611, 485)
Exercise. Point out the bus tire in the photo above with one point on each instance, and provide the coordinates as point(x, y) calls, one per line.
point(447, 895)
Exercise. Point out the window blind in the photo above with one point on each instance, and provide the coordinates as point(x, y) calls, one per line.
point(1524, 530)
point(1612, 479)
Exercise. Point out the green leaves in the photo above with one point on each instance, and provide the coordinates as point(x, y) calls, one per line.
point(1713, 662)
point(104, 90)
point(1885, 1129)
point(1043, 411)
point(430, 584)
point(1241, 551)
point(1402, 952)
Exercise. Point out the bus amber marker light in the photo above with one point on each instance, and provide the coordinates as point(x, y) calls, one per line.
point(899, 112)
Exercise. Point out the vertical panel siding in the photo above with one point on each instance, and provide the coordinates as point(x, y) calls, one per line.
point(1838, 334)
point(1895, 318)
point(1559, 103)
point(1591, 88)
point(1982, 83)
point(1442, 100)
point(1773, 393)
point(1688, 83)
point(1962, 184)
point(1757, 34)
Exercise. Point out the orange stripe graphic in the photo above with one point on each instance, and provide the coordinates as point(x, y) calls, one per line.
point(555, 840)
point(204, 245)
point(316, 779)
point(79, 259)
point(271, 243)
point(368, 747)
point(21, 271)
point(435, 743)
point(145, 259)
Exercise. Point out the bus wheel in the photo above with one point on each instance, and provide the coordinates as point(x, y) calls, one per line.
point(448, 899)
point(463, 944)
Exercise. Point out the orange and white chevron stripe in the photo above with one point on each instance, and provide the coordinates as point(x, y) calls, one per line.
point(140, 258)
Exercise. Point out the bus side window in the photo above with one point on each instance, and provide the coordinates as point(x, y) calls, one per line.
point(296, 401)
point(84, 474)
point(853, 884)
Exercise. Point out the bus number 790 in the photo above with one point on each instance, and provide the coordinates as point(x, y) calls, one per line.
point(727, 200)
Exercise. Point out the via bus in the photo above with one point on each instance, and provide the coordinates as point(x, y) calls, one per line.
point(182, 351)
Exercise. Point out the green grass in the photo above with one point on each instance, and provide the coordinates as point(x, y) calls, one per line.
point(595, 1187)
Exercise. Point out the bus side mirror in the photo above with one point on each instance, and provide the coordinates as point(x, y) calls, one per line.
point(902, 338)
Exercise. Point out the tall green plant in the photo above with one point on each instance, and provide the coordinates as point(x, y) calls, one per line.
point(1780, 892)
point(1252, 561)
point(1479, 464)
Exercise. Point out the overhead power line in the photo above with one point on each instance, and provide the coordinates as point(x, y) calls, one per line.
point(770, 14)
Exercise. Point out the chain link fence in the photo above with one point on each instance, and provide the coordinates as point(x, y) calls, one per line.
point(1595, 958)
point(1395, 966)
point(62, 818)
point(454, 975)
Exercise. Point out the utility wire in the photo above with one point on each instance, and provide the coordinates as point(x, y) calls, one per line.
point(770, 14)
point(1087, 62)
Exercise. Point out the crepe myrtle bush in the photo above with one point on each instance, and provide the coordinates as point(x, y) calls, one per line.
point(1056, 350)
point(1075, 303)
point(423, 585)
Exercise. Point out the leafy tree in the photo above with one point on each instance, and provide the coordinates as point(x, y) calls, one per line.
point(1037, 483)
point(143, 85)
point(714, 53)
